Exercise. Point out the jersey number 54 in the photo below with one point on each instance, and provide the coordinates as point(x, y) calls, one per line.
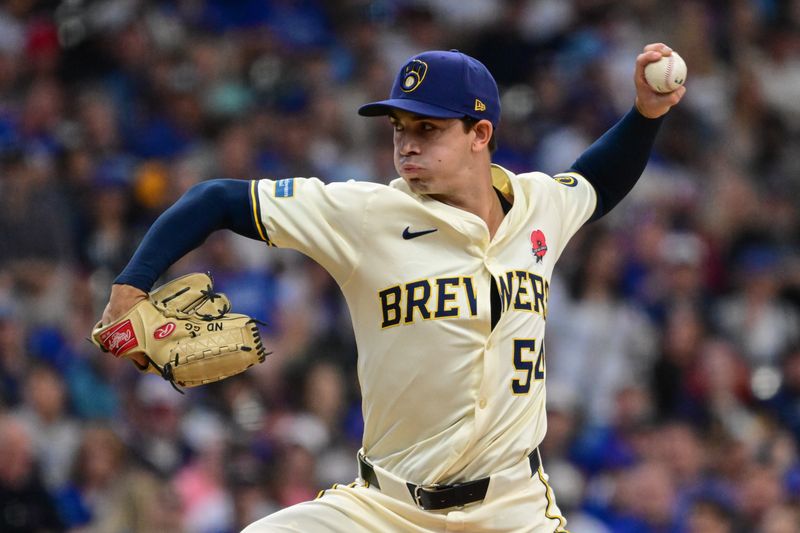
point(524, 363)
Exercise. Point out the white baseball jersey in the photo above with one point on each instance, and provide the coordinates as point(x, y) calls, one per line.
point(446, 398)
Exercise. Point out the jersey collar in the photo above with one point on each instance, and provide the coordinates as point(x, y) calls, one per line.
point(502, 182)
point(502, 179)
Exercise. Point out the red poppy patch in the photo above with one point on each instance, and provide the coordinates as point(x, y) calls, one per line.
point(538, 245)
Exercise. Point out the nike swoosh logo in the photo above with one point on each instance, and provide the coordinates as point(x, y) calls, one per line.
point(408, 234)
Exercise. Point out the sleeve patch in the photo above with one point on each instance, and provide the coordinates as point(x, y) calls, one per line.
point(284, 188)
point(566, 179)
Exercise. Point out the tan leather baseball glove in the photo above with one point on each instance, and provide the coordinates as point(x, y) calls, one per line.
point(186, 332)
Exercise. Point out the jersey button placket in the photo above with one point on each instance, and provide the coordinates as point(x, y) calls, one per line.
point(490, 264)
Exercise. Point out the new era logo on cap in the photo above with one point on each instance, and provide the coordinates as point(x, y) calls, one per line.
point(442, 85)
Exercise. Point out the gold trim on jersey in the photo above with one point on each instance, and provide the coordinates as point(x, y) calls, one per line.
point(321, 493)
point(502, 183)
point(547, 494)
point(335, 486)
point(262, 231)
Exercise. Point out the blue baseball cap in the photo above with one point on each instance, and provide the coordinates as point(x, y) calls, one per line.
point(442, 85)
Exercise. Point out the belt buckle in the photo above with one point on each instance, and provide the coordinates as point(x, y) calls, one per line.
point(418, 488)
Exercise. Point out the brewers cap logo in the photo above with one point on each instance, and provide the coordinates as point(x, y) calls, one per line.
point(413, 74)
point(538, 244)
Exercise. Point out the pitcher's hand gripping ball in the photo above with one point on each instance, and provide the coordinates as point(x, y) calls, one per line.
point(666, 74)
point(186, 332)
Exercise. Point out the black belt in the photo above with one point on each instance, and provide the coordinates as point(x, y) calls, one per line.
point(438, 497)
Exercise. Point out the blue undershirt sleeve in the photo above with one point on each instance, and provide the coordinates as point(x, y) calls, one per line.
point(615, 161)
point(205, 208)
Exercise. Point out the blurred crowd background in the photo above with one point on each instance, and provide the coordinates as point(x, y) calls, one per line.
point(673, 353)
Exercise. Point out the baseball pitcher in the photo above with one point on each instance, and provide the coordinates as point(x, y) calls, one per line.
point(446, 272)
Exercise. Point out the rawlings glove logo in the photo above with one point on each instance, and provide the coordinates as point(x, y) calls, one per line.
point(164, 331)
point(119, 339)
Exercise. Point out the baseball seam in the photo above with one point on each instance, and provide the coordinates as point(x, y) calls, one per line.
point(668, 72)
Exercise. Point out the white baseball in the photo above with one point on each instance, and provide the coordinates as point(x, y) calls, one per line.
point(666, 74)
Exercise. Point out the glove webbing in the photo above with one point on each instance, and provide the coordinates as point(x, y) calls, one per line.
point(207, 294)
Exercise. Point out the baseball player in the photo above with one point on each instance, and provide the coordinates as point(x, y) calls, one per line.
point(446, 272)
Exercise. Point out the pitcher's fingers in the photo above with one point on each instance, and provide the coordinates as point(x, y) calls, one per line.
point(662, 48)
point(677, 94)
point(647, 57)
